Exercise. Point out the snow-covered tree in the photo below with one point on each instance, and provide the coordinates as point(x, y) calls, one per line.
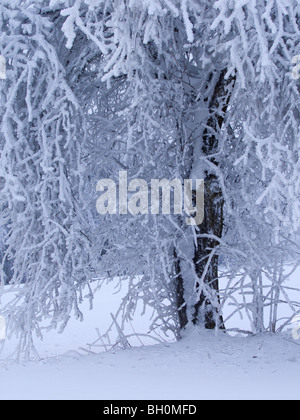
point(211, 94)
point(41, 171)
point(160, 89)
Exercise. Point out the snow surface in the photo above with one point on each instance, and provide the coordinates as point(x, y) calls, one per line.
point(202, 366)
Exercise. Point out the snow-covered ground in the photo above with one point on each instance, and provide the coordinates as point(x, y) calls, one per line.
point(202, 366)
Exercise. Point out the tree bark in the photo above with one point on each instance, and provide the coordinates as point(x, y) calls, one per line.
point(180, 300)
point(206, 259)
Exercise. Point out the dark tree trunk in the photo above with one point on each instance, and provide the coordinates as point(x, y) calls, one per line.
point(205, 260)
point(206, 308)
point(180, 300)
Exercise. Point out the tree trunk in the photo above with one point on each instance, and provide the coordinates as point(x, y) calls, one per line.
point(206, 260)
point(180, 300)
